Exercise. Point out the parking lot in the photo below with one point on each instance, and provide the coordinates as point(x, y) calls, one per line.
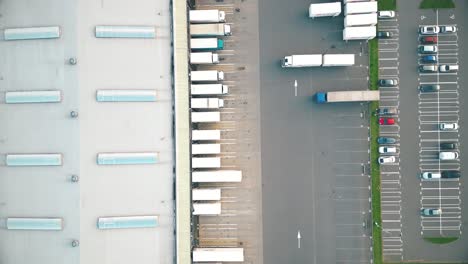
point(420, 116)
point(390, 173)
point(239, 224)
point(434, 109)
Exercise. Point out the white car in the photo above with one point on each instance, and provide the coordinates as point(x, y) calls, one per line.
point(429, 30)
point(386, 14)
point(431, 211)
point(448, 68)
point(448, 29)
point(386, 159)
point(448, 155)
point(448, 126)
point(383, 150)
point(430, 175)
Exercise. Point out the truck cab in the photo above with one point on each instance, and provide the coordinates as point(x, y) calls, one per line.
point(321, 98)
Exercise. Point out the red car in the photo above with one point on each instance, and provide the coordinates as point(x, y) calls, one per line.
point(386, 121)
point(429, 40)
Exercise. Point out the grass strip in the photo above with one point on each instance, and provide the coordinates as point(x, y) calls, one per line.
point(440, 240)
point(375, 169)
point(387, 5)
point(430, 4)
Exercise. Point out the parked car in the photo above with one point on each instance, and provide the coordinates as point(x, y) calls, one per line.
point(386, 159)
point(428, 88)
point(386, 140)
point(425, 49)
point(450, 174)
point(430, 175)
point(448, 68)
point(387, 111)
point(429, 59)
point(448, 126)
point(429, 30)
point(448, 155)
point(448, 145)
point(384, 150)
point(431, 211)
point(386, 14)
point(448, 29)
point(386, 121)
point(428, 39)
point(428, 68)
point(384, 34)
point(388, 82)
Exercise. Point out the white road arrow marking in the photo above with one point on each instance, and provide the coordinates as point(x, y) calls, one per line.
point(295, 87)
point(298, 239)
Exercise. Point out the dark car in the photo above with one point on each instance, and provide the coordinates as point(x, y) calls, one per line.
point(384, 34)
point(429, 59)
point(387, 111)
point(429, 40)
point(427, 88)
point(450, 174)
point(386, 140)
point(448, 145)
point(388, 82)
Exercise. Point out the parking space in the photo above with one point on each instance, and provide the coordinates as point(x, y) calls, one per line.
point(390, 173)
point(239, 224)
point(436, 108)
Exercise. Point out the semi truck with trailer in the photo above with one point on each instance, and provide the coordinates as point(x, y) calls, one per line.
point(202, 44)
point(207, 16)
point(325, 9)
point(206, 194)
point(218, 255)
point(361, 8)
point(297, 61)
point(203, 149)
point(211, 103)
point(206, 76)
point(359, 33)
point(360, 20)
point(204, 58)
point(210, 30)
point(217, 176)
point(347, 96)
point(338, 60)
point(209, 89)
point(214, 134)
point(206, 117)
point(206, 163)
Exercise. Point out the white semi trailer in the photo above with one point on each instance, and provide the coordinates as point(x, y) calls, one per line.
point(325, 9)
point(209, 89)
point(359, 33)
point(210, 30)
point(206, 163)
point(207, 16)
point(206, 117)
point(214, 134)
point(204, 58)
point(298, 61)
point(361, 8)
point(217, 176)
point(207, 208)
point(206, 76)
point(203, 149)
point(218, 255)
point(205, 194)
point(338, 60)
point(202, 103)
point(360, 20)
